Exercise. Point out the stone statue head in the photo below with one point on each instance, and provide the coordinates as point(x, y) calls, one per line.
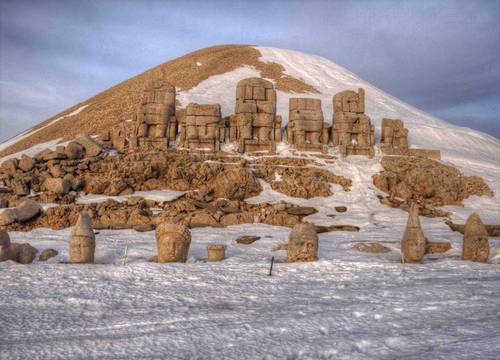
point(302, 243)
point(172, 241)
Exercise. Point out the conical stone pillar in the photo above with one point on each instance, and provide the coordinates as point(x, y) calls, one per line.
point(413, 242)
point(82, 241)
point(475, 245)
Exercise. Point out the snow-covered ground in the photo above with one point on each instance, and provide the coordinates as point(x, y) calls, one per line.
point(347, 305)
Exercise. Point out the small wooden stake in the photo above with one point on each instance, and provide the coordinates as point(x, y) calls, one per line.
point(271, 268)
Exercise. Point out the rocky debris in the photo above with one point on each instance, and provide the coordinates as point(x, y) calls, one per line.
point(82, 241)
point(394, 139)
point(475, 244)
point(25, 211)
point(5, 250)
point(202, 127)
point(26, 163)
point(427, 181)
point(375, 248)
point(47, 254)
point(172, 242)
point(493, 230)
point(74, 150)
point(352, 130)
point(425, 208)
point(437, 247)
point(413, 242)
point(57, 185)
point(302, 243)
point(21, 253)
point(255, 126)
point(247, 239)
point(92, 148)
point(302, 210)
point(329, 228)
point(303, 182)
point(306, 129)
point(341, 209)
point(155, 117)
point(235, 184)
point(216, 252)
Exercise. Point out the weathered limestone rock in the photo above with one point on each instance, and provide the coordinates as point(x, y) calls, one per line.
point(475, 245)
point(426, 153)
point(433, 247)
point(47, 254)
point(74, 151)
point(9, 166)
point(216, 252)
point(394, 140)
point(306, 125)
point(91, 147)
point(415, 178)
point(255, 122)
point(57, 185)
point(302, 243)
point(25, 211)
point(24, 253)
point(352, 130)
point(172, 242)
point(154, 116)
point(204, 127)
point(247, 239)
point(26, 163)
point(82, 241)
point(413, 243)
point(374, 248)
point(5, 249)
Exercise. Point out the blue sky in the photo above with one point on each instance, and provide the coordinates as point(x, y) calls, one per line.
point(440, 56)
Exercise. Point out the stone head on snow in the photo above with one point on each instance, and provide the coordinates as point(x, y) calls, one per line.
point(172, 242)
point(302, 243)
point(82, 241)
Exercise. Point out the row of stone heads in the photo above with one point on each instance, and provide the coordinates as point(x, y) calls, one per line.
point(255, 126)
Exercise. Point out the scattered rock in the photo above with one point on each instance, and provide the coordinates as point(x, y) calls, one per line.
point(340, 209)
point(57, 185)
point(247, 239)
point(74, 150)
point(329, 228)
point(47, 254)
point(26, 163)
point(437, 247)
point(371, 247)
point(25, 211)
point(91, 147)
point(493, 230)
point(302, 210)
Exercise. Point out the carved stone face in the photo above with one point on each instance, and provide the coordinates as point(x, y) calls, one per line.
point(172, 242)
point(302, 243)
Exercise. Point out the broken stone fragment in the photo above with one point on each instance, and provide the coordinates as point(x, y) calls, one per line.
point(47, 254)
point(82, 241)
point(437, 247)
point(25, 211)
point(57, 185)
point(26, 163)
point(91, 147)
point(475, 244)
point(21, 253)
point(371, 247)
point(216, 252)
point(302, 243)
point(247, 239)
